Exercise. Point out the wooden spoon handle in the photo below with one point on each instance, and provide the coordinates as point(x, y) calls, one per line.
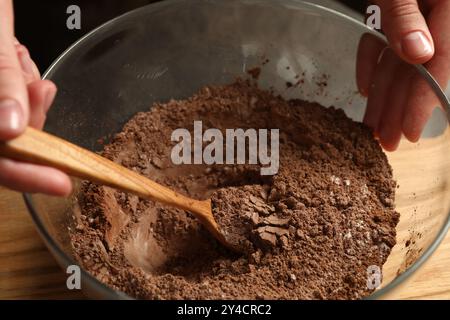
point(42, 148)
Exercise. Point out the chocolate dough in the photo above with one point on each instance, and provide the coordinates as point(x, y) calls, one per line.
point(310, 232)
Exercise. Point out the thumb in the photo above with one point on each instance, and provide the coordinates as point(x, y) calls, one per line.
point(406, 30)
point(14, 111)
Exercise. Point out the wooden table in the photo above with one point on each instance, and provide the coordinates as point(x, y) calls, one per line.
point(27, 269)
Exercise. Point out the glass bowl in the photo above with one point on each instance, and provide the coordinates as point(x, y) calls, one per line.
point(173, 48)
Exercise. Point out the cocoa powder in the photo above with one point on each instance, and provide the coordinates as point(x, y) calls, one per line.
point(309, 232)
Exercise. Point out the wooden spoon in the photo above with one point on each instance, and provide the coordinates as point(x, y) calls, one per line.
point(42, 148)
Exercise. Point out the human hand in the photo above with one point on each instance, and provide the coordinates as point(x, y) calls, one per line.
point(24, 101)
point(399, 100)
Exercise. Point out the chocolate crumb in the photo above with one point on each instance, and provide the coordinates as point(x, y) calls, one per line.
point(254, 72)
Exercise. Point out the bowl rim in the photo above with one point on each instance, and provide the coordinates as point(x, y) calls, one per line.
point(111, 293)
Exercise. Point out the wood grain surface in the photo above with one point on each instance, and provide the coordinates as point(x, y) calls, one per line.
point(28, 271)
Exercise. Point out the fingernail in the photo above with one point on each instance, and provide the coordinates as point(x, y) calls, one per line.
point(11, 118)
point(416, 45)
point(26, 62)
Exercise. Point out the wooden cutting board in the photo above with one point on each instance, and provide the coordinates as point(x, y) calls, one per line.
point(28, 271)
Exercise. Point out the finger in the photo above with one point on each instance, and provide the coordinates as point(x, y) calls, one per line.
point(406, 30)
point(379, 89)
point(14, 111)
point(420, 105)
point(391, 120)
point(369, 51)
point(33, 178)
point(50, 94)
point(423, 100)
point(29, 68)
point(41, 94)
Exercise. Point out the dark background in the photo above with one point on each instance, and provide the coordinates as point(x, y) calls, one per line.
point(41, 25)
